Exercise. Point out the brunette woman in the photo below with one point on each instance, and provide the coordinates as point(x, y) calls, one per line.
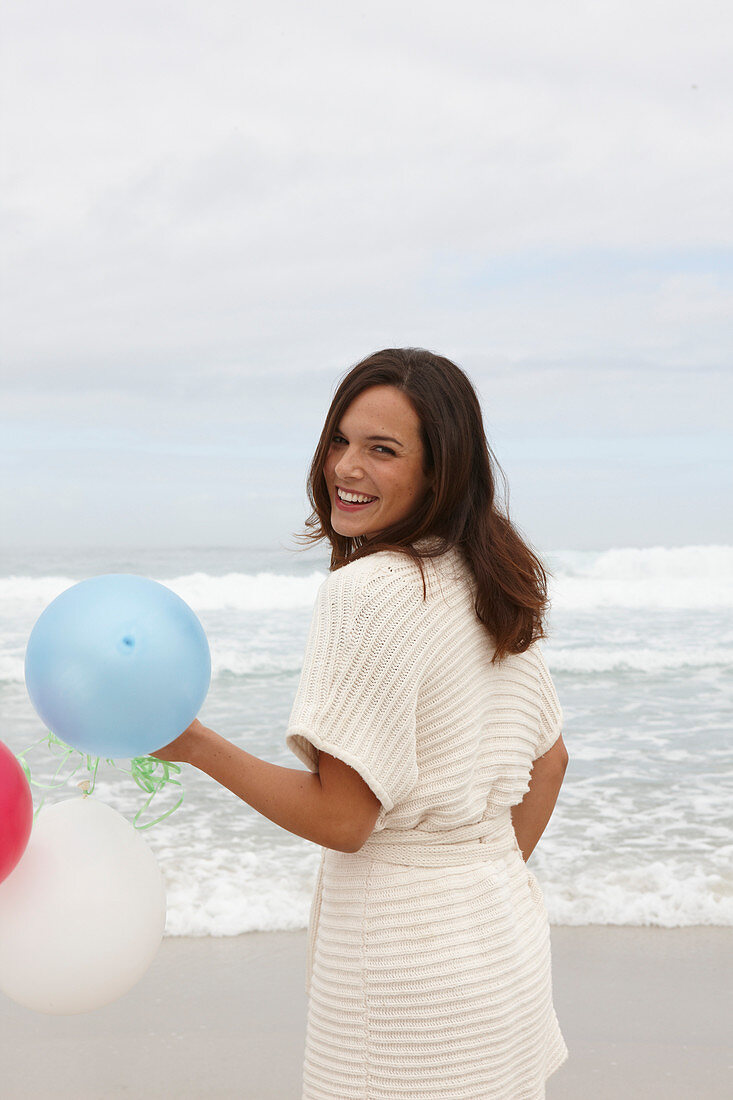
point(431, 731)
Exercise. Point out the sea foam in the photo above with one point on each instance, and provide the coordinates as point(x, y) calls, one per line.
point(641, 651)
point(685, 577)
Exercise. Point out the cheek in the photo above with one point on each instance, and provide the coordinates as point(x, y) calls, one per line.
point(418, 482)
point(406, 491)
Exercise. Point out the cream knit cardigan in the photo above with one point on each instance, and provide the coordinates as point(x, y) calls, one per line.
point(429, 963)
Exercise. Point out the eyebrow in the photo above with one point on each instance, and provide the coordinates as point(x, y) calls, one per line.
point(389, 438)
point(374, 438)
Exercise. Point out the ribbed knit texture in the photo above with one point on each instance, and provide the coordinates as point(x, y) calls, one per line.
point(429, 962)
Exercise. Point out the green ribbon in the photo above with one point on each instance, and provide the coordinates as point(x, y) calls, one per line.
point(142, 770)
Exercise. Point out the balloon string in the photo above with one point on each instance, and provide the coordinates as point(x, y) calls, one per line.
point(142, 769)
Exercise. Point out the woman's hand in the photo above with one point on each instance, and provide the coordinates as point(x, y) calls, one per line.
point(180, 750)
point(333, 807)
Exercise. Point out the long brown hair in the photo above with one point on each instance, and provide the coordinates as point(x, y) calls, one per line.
point(461, 509)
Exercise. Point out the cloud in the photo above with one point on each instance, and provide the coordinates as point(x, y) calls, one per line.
point(210, 211)
point(225, 188)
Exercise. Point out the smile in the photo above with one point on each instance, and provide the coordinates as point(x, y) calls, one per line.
point(350, 501)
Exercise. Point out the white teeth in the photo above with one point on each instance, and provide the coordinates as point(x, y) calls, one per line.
point(353, 498)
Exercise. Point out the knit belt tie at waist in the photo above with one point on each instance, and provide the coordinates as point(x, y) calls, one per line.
point(489, 839)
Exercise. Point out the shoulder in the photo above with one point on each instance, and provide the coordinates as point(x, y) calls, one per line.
point(529, 663)
point(386, 580)
point(385, 567)
point(532, 669)
point(535, 657)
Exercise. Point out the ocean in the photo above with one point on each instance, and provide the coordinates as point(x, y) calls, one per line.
point(640, 647)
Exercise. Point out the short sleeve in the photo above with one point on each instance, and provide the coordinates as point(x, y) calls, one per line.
point(550, 724)
point(358, 690)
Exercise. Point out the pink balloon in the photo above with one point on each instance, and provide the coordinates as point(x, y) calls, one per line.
point(16, 811)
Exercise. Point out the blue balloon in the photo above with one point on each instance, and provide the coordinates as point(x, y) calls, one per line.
point(117, 666)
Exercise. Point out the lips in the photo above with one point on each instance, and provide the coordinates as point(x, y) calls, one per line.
point(356, 502)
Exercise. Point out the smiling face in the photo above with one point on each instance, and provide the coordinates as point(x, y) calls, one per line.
point(374, 466)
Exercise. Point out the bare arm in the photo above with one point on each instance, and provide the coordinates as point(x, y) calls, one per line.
point(531, 815)
point(333, 807)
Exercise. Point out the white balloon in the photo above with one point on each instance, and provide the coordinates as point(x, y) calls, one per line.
point(82, 914)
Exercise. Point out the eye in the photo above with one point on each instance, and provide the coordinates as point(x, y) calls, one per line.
point(338, 438)
point(384, 449)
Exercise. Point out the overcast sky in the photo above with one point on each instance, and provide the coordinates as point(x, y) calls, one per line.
point(211, 210)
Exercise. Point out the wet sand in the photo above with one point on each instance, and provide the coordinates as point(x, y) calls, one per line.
point(646, 1013)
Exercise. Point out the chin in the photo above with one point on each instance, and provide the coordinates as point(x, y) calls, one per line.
point(346, 530)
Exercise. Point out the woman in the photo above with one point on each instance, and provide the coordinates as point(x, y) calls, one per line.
point(424, 706)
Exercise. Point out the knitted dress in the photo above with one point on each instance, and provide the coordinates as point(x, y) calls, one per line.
point(429, 967)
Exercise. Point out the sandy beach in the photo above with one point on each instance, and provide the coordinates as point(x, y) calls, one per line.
point(646, 1013)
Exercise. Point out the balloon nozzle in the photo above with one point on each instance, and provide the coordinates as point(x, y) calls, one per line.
point(84, 787)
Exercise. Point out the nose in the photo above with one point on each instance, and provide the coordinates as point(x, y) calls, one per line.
point(348, 467)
